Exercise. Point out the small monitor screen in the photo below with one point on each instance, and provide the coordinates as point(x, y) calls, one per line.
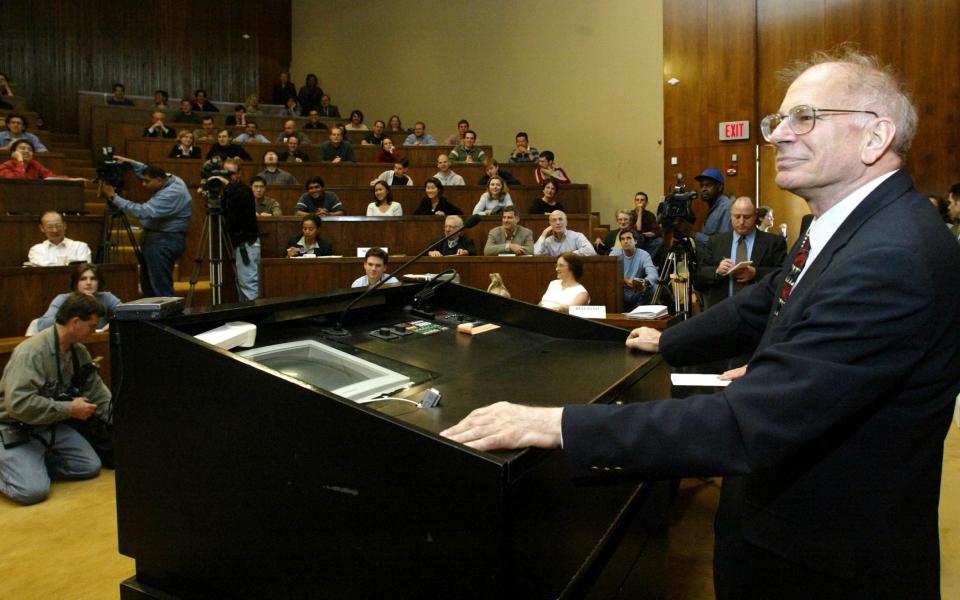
point(329, 369)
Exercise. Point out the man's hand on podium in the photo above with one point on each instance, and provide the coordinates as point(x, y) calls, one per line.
point(645, 339)
point(505, 426)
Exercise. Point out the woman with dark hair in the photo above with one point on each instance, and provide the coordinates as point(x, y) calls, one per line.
point(433, 202)
point(388, 154)
point(356, 121)
point(565, 291)
point(310, 243)
point(394, 125)
point(383, 204)
point(224, 148)
point(201, 104)
point(310, 93)
point(86, 279)
point(764, 218)
point(548, 201)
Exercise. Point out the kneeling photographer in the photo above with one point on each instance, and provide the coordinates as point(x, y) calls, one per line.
point(165, 218)
point(240, 216)
point(50, 379)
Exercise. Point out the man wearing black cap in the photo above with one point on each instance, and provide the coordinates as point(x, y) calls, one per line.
point(718, 217)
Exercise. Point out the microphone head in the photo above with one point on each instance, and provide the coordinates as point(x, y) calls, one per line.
point(471, 221)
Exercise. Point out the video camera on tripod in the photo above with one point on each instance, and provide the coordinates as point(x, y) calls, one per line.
point(678, 205)
point(110, 171)
point(210, 185)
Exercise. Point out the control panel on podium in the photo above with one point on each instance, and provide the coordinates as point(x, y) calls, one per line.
point(309, 464)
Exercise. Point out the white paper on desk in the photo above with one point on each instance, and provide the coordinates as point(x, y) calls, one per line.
point(698, 379)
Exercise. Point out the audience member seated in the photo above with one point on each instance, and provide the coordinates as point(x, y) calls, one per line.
point(309, 244)
point(239, 116)
point(420, 137)
point(383, 204)
point(274, 175)
point(17, 130)
point(291, 109)
point(317, 201)
point(315, 122)
point(310, 94)
point(433, 202)
point(290, 130)
point(160, 98)
point(225, 149)
point(85, 279)
point(326, 109)
point(639, 273)
point(468, 150)
point(456, 138)
point(547, 170)
point(5, 88)
point(388, 153)
point(457, 245)
point(396, 176)
point(624, 222)
point(356, 121)
point(523, 152)
point(207, 134)
point(494, 199)
point(557, 239)
point(37, 446)
point(57, 249)
point(186, 148)
point(119, 96)
point(252, 105)
point(283, 90)
point(337, 149)
point(953, 210)
point(22, 166)
point(445, 174)
point(375, 136)
point(201, 104)
point(264, 205)
point(186, 114)
point(293, 153)
point(251, 135)
point(715, 278)
point(565, 291)
point(765, 218)
point(394, 125)
point(510, 237)
point(548, 200)
point(492, 168)
point(157, 128)
point(375, 265)
point(649, 235)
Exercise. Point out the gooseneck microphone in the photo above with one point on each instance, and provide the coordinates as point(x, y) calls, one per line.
point(339, 331)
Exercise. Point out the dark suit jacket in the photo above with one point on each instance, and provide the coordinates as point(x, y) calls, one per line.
point(837, 428)
point(769, 250)
point(462, 243)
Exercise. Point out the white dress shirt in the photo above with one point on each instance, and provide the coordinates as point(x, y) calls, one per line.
point(46, 254)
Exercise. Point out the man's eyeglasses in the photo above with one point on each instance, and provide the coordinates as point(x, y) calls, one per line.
point(800, 119)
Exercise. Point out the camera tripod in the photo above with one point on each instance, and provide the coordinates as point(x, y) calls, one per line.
point(212, 245)
point(676, 274)
point(115, 222)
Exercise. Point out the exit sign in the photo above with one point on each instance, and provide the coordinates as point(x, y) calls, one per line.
point(735, 130)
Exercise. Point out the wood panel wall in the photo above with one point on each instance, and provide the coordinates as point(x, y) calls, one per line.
point(57, 48)
point(730, 51)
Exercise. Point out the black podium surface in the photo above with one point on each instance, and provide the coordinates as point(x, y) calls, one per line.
point(237, 481)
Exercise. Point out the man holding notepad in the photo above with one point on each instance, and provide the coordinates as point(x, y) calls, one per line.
point(735, 259)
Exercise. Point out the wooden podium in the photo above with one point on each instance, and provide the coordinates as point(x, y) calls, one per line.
point(237, 481)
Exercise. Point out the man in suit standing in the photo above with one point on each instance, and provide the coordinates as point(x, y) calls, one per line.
point(832, 440)
point(726, 250)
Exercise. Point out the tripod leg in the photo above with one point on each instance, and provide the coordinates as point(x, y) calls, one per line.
point(198, 260)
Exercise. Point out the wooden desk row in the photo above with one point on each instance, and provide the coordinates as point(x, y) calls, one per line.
point(31, 196)
point(334, 175)
point(55, 161)
point(26, 292)
point(526, 278)
point(18, 233)
point(134, 145)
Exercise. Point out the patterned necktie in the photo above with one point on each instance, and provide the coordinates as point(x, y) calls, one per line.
point(798, 263)
point(741, 256)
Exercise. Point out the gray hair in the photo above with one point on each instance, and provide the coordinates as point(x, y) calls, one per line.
point(875, 85)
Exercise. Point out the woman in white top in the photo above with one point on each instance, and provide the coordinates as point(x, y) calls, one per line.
point(565, 291)
point(494, 199)
point(383, 204)
point(356, 122)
